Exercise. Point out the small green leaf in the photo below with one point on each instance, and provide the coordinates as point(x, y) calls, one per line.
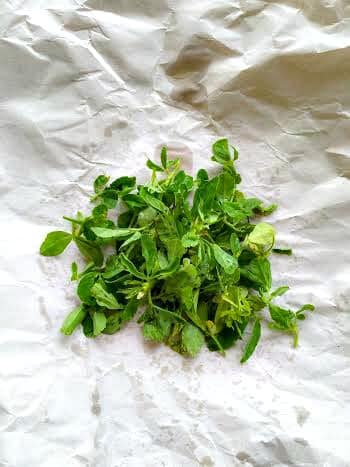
point(100, 212)
point(252, 342)
point(192, 339)
point(283, 251)
point(164, 157)
point(235, 245)
point(151, 165)
point(73, 320)
point(90, 251)
point(123, 184)
point(99, 321)
point(112, 234)
point(221, 151)
point(190, 239)
point(147, 216)
point(153, 201)
point(266, 210)
point(128, 265)
point(55, 243)
point(104, 298)
point(228, 262)
point(134, 238)
point(278, 292)
point(258, 271)
point(100, 183)
point(149, 251)
point(88, 327)
point(74, 270)
point(134, 201)
point(110, 198)
point(85, 285)
point(261, 240)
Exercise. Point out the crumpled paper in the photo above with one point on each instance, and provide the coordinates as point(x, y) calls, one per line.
point(97, 86)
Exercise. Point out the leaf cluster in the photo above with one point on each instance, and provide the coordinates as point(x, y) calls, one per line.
point(193, 272)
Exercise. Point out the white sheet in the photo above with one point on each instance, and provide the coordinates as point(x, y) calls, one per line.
point(97, 85)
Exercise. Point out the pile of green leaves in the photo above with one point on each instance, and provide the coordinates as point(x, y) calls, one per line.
point(194, 273)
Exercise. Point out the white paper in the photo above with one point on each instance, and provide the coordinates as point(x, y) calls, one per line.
point(99, 85)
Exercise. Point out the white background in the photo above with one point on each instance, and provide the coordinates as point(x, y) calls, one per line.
point(99, 85)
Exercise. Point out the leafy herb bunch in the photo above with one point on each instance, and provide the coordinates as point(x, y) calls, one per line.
point(199, 272)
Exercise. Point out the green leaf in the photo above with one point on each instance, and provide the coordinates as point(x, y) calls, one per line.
point(88, 327)
point(221, 151)
point(116, 321)
point(152, 201)
point(72, 321)
point(90, 251)
point(55, 243)
point(104, 298)
point(283, 251)
point(112, 234)
point(84, 287)
point(164, 157)
point(127, 265)
point(123, 184)
point(261, 240)
point(110, 198)
point(283, 317)
point(149, 251)
point(278, 292)
point(192, 339)
point(235, 245)
point(252, 342)
point(266, 210)
point(100, 183)
point(147, 216)
point(100, 212)
point(134, 201)
point(190, 239)
point(151, 165)
point(99, 322)
point(134, 238)
point(259, 272)
point(228, 262)
point(74, 270)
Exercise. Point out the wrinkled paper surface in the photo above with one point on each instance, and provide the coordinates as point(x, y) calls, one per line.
point(97, 86)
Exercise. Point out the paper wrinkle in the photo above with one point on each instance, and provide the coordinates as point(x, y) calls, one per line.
point(97, 86)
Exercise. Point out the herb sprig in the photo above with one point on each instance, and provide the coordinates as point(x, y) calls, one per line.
point(194, 273)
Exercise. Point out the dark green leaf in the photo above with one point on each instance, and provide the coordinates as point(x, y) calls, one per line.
point(88, 327)
point(134, 201)
point(123, 183)
point(283, 251)
point(84, 287)
point(151, 165)
point(164, 157)
point(110, 198)
point(55, 243)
